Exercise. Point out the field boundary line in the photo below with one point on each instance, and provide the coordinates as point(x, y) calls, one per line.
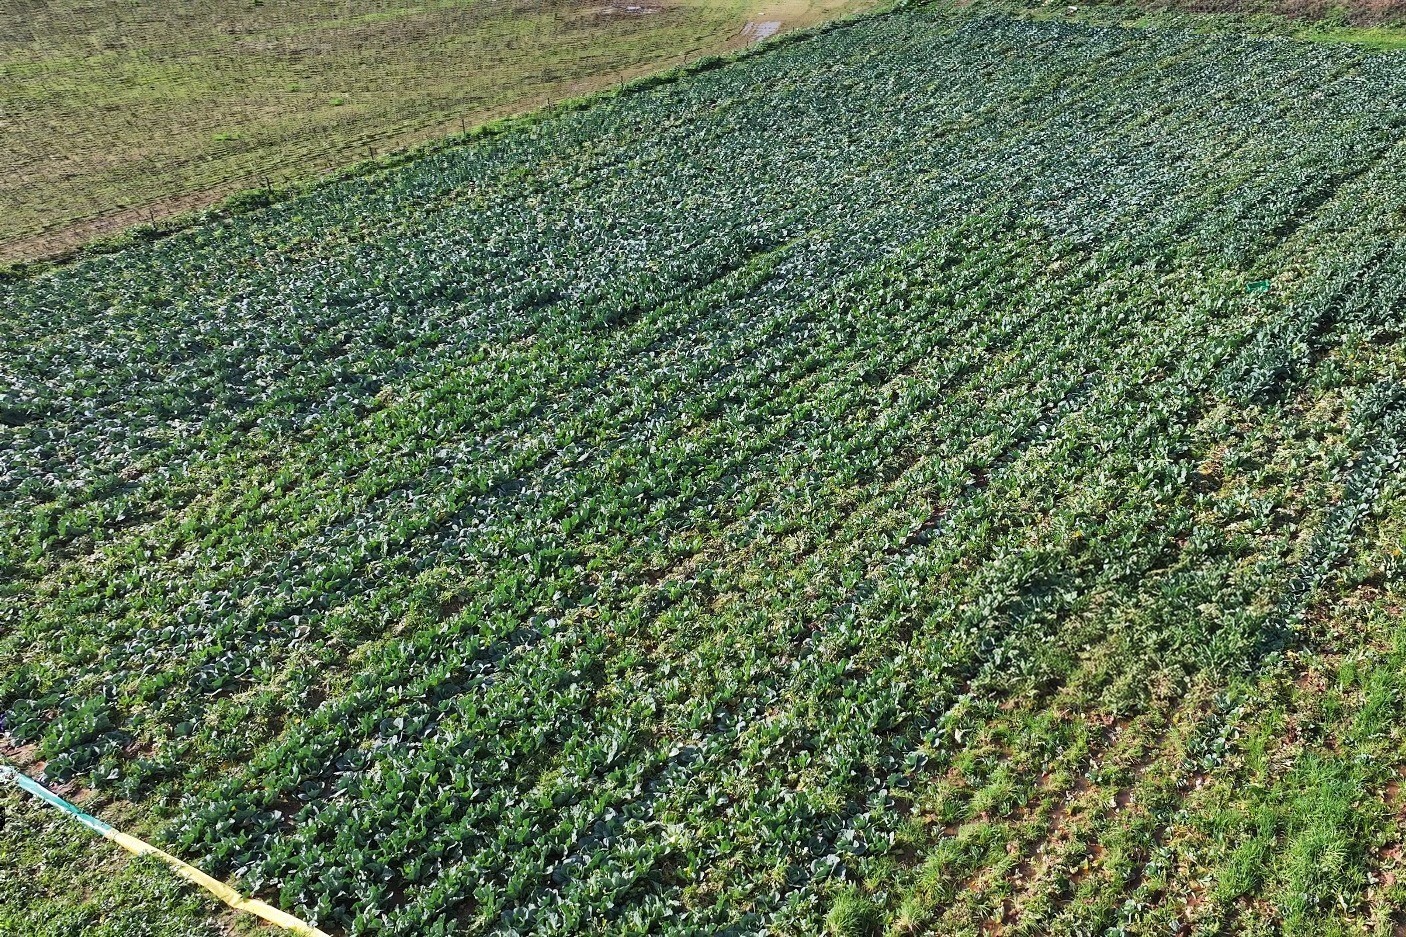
point(139, 847)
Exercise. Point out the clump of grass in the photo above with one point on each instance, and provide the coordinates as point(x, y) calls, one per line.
point(1309, 842)
point(912, 915)
point(852, 915)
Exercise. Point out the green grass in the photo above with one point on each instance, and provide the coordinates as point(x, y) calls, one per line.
point(938, 475)
point(1368, 25)
point(132, 113)
point(1381, 38)
point(57, 879)
point(851, 915)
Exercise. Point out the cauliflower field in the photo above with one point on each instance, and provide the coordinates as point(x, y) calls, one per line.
point(940, 474)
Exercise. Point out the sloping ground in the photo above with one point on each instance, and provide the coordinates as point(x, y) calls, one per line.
point(1347, 12)
point(116, 113)
point(940, 474)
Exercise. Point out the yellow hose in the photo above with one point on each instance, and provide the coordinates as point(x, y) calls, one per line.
point(139, 848)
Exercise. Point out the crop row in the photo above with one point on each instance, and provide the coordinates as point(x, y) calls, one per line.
point(629, 522)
